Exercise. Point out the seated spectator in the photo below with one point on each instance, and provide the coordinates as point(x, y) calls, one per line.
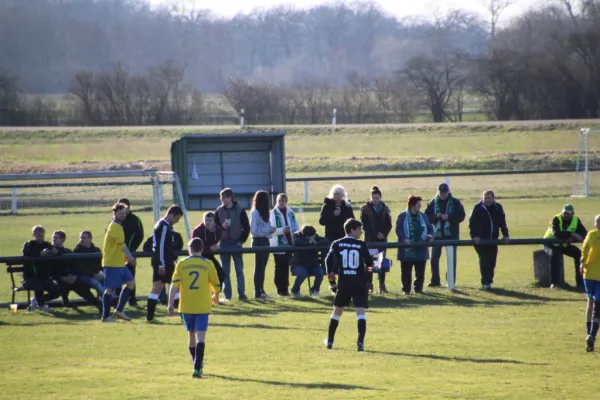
point(210, 234)
point(36, 276)
point(62, 272)
point(89, 272)
point(308, 263)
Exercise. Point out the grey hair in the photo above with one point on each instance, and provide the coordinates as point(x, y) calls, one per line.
point(337, 189)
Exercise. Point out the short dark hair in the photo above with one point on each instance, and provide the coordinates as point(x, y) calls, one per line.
point(209, 214)
point(227, 192)
point(61, 234)
point(87, 233)
point(196, 245)
point(174, 210)
point(118, 207)
point(351, 225)
point(124, 201)
point(308, 230)
point(413, 199)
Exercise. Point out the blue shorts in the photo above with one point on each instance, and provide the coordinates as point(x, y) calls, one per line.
point(592, 289)
point(115, 278)
point(195, 322)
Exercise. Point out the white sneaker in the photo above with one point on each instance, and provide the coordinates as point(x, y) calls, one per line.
point(314, 293)
point(296, 295)
point(34, 304)
point(264, 296)
point(45, 308)
point(223, 300)
point(122, 315)
point(109, 319)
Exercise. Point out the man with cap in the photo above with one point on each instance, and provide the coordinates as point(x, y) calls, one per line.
point(566, 226)
point(445, 212)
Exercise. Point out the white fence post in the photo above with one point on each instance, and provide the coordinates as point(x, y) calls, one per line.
point(450, 266)
point(334, 119)
point(242, 118)
point(447, 180)
point(14, 201)
point(305, 192)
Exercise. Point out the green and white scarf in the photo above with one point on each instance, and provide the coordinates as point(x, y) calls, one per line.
point(414, 232)
point(280, 223)
point(449, 211)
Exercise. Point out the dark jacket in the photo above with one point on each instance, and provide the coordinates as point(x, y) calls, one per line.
point(33, 269)
point(59, 267)
point(239, 230)
point(416, 253)
point(176, 243)
point(308, 259)
point(334, 225)
point(454, 219)
point(561, 232)
point(134, 231)
point(87, 267)
point(209, 238)
point(487, 222)
point(374, 223)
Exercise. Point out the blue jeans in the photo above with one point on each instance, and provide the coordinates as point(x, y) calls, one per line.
point(436, 253)
point(239, 270)
point(302, 273)
point(260, 265)
point(92, 283)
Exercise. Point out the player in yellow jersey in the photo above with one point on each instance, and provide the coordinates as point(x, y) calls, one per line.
point(114, 255)
point(195, 278)
point(590, 269)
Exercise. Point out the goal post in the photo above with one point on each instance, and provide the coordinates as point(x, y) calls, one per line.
point(91, 193)
point(587, 163)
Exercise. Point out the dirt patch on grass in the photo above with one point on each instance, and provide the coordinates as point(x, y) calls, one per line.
point(36, 168)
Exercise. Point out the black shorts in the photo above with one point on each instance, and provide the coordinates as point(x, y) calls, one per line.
point(166, 278)
point(358, 293)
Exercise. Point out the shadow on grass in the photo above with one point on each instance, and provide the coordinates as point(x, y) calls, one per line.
point(256, 326)
point(315, 385)
point(456, 359)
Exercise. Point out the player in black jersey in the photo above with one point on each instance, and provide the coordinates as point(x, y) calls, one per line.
point(349, 258)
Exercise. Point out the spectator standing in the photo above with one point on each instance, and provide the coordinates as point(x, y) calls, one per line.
point(308, 263)
point(231, 218)
point(210, 234)
point(413, 227)
point(445, 213)
point(262, 232)
point(335, 212)
point(486, 221)
point(284, 220)
point(36, 276)
point(376, 218)
point(134, 236)
point(566, 226)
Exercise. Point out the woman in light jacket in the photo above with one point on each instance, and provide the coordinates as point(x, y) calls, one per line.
point(283, 219)
point(261, 231)
point(413, 226)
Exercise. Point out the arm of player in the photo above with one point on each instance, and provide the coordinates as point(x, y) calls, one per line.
point(173, 290)
point(330, 262)
point(585, 249)
point(213, 281)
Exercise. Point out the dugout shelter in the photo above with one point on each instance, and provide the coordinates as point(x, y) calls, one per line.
point(244, 162)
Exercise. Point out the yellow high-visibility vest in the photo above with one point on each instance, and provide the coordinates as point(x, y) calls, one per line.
point(572, 228)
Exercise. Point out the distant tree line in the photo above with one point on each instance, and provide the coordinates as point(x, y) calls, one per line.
point(300, 65)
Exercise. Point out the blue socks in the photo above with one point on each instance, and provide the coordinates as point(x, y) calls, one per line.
point(123, 299)
point(199, 356)
point(106, 300)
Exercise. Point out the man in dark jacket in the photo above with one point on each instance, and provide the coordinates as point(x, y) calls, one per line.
point(486, 221)
point(308, 263)
point(210, 234)
point(134, 236)
point(568, 227)
point(233, 221)
point(89, 271)
point(36, 275)
point(445, 212)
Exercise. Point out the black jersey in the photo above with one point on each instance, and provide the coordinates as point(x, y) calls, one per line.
point(162, 245)
point(349, 258)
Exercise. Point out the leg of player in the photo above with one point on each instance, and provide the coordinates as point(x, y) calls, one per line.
point(361, 321)
point(589, 316)
point(199, 356)
point(157, 286)
point(192, 345)
point(333, 324)
point(106, 304)
point(123, 298)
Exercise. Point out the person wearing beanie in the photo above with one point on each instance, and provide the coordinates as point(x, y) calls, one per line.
point(413, 226)
point(445, 212)
point(568, 227)
point(376, 218)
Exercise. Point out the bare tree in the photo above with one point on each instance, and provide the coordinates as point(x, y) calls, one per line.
point(82, 86)
point(495, 8)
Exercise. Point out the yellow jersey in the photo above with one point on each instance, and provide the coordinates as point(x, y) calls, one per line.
point(114, 242)
point(196, 278)
point(591, 255)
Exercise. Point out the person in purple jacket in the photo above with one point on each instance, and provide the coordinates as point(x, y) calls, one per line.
point(210, 234)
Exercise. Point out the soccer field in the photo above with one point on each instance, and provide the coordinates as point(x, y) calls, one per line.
point(515, 342)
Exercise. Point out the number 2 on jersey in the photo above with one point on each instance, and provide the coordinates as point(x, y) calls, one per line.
point(350, 258)
point(196, 275)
